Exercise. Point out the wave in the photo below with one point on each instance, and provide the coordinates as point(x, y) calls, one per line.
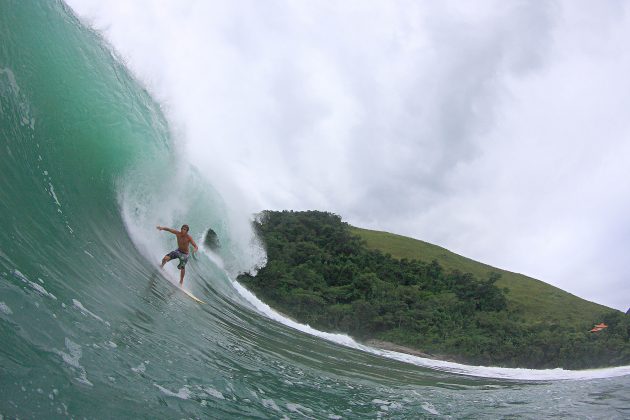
point(89, 167)
point(451, 367)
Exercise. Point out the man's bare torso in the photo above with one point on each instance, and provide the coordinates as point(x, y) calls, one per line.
point(183, 242)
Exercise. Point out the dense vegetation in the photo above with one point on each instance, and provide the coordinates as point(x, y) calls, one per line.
point(321, 273)
point(535, 300)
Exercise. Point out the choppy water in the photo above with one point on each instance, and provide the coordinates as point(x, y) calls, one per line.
point(90, 328)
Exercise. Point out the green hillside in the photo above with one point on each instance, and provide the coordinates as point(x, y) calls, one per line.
point(384, 287)
point(536, 301)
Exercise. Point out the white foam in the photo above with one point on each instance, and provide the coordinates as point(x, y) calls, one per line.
point(380, 402)
point(269, 403)
point(75, 353)
point(19, 275)
point(271, 313)
point(83, 378)
point(430, 408)
point(183, 393)
point(503, 373)
point(83, 310)
point(140, 369)
point(214, 393)
point(35, 286)
point(53, 195)
point(72, 359)
point(457, 368)
point(4, 308)
point(297, 408)
point(39, 288)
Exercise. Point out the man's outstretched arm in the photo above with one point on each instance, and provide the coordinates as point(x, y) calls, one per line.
point(173, 231)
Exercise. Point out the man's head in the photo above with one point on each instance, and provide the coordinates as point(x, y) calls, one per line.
point(185, 228)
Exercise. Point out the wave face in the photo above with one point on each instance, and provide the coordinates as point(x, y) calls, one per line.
point(89, 327)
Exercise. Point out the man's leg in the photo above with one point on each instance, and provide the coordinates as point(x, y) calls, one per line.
point(182, 273)
point(165, 260)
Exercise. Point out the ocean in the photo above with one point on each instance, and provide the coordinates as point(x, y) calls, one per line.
point(91, 328)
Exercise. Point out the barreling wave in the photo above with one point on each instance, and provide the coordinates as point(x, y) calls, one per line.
point(88, 324)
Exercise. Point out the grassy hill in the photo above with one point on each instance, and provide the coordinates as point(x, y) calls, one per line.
point(385, 287)
point(537, 301)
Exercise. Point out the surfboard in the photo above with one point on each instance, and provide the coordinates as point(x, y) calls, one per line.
point(177, 286)
point(193, 297)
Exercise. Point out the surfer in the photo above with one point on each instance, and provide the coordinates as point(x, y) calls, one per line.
point(184, 240)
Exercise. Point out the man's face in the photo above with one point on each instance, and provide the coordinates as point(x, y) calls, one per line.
point(184, 229)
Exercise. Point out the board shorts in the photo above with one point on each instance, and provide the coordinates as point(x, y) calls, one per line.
point(183, 257)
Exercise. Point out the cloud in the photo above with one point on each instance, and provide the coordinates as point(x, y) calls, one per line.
point(496, 129)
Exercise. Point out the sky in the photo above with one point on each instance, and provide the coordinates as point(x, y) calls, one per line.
point(497, 129)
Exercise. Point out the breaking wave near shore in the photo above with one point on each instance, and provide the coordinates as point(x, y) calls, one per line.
point(89, 325)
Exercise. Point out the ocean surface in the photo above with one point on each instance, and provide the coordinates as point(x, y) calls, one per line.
point(91, 328)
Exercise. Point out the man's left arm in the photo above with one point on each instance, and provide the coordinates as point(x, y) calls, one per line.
point(192, 241)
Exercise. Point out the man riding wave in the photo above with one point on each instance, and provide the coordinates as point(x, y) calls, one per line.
point(184, 240)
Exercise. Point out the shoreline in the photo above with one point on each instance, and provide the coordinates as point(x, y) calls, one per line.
point(389, 346)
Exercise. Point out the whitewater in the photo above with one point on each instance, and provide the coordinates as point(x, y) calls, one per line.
point(91, 328)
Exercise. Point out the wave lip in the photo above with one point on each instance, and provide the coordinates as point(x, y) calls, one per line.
point(520, 374)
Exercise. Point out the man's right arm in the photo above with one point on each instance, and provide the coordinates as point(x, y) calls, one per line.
point(173, 231)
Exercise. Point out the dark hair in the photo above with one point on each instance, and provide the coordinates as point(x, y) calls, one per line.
point(185, 227)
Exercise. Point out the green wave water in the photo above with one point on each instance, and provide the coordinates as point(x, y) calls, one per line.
point(90, 328)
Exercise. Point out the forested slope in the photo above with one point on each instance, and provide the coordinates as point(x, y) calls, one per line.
point(323, 272)
point(536, 300)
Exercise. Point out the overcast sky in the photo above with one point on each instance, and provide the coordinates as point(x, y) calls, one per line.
point(497, 129)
